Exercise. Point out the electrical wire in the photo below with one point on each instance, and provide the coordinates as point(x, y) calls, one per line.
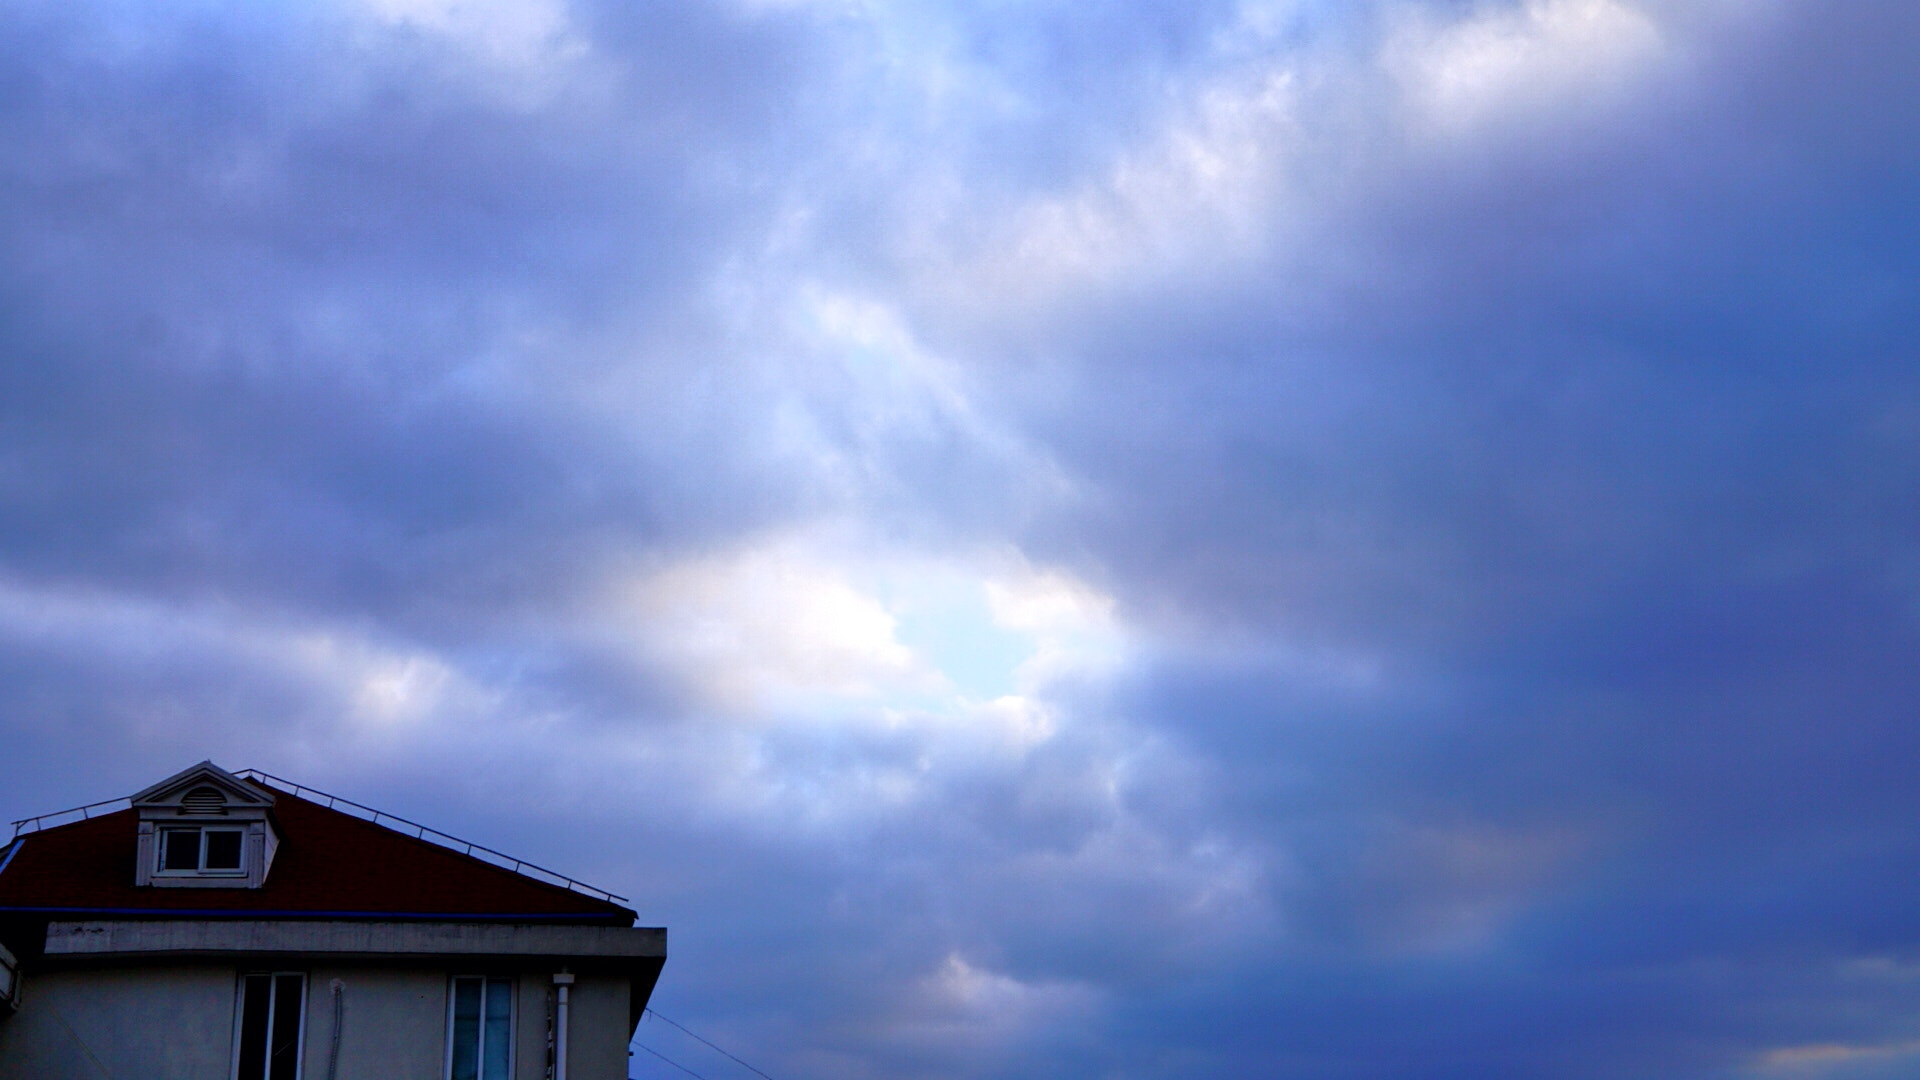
point(729, 1057)
point(668, 1060)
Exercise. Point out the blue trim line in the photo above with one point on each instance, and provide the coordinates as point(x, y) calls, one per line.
point(12, 850)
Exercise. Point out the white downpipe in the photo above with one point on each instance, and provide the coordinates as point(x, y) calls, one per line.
point(563, 982)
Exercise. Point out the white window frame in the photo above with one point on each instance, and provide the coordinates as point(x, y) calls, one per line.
point(513, 1023)
point(273, 995)
point(9, 980)
point(201, 870)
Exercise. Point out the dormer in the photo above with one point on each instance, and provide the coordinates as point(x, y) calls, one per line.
point(204, 828)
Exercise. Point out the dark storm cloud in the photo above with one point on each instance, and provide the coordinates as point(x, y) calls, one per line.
point(1506, 501)
point(1613, 481)
point(277, 288)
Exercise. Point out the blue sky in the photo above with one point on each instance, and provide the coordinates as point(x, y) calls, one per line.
point(1217, 539)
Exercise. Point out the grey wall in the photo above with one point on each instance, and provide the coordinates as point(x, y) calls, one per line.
point(393, 1023)
point(530, 1030)
point(599, 1029)
point(174, 1021)
point(147, 1023)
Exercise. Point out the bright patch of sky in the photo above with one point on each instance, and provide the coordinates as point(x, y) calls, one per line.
point(809, 624)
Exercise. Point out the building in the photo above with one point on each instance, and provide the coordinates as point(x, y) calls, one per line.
point(240, 927)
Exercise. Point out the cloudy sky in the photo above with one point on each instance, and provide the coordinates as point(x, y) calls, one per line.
point(1182, 538)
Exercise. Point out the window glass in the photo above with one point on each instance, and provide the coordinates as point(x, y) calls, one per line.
point(180, 849)
point(267, 1039)
point(284, 1045)
point(496, 1061)
point(223, 849)
point(256, 996)
point(480, 1032)
point(465, 1058)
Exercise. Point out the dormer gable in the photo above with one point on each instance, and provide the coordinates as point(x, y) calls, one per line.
point(204, 828)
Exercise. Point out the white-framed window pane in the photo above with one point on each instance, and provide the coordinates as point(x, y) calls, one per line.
point(267, 1039)
point(223, 848)
point(464, 1063)
point(480, 1029)
point(496, 1060)
point(289, 1008)
point(256, 1013)
point(179, 849)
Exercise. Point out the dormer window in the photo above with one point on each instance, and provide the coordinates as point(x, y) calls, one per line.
point(202, 851)
point(205, 828)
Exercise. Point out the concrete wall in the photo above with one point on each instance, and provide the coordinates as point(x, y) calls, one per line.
point(598, 1040)
point(392, 1023)
point(598, 1030)
point(148, 1023)
point(174, 1021)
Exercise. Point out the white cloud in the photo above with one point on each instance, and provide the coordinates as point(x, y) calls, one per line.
point(1197, 193)
point(349, 681)
point(1839, 1059)
point(968, 1005)
point(1072, 624)
point(1535, 59)
point(818, 624)
point(521, 52)
point(772, 624)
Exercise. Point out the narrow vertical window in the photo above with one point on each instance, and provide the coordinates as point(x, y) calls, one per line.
point(268, 1031)
point(496, 1060)
point(256, 1011)
point(289, 1008)
point(480, 1029)
point(466, 1029)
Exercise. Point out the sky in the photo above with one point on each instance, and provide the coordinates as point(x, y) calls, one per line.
point(1224, 538)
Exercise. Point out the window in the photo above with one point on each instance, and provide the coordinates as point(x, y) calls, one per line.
point(269, 1027)
point(9, 981)
point(202, 851)
point(480, 1029)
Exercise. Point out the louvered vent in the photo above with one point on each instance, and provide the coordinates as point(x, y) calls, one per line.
point(204, 802)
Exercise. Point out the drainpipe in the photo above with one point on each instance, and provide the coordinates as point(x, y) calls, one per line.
point(562, 983)
point(333, 1045)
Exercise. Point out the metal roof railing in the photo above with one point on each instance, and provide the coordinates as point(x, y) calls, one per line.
point(433, 836)
point(62, 817)
point(366, 813)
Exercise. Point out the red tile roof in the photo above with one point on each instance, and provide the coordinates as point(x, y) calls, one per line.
point(330, 864)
